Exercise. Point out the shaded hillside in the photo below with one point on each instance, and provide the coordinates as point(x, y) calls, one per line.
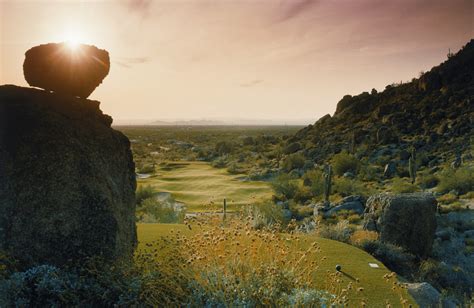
point(433, 113)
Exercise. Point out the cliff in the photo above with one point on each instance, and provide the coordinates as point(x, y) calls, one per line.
point(67, 180)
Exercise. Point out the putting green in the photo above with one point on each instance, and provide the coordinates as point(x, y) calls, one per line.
point(203, 188)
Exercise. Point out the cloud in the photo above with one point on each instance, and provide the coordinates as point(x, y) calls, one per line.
point(291, 8)
point(129, 62)
point(141, 7)
point(251, 83)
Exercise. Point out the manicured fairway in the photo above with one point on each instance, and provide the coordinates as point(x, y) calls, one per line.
point(354, 262)
point(203, 188)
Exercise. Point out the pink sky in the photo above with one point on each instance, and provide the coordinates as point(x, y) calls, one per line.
point(240, 59)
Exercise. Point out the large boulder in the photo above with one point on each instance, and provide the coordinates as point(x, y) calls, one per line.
point(59, 68)
point(355, 204)
point(424, 294)
point(67, 181)
point(406, 220)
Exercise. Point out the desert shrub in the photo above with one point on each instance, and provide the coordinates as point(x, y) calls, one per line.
point(285, 186)
point(266, 215)
point(315, 180)
point(402, 185)
point(460, 180)
point(339, 232)
point(146, 169)
point(302, 194)
point(393, 257)
point(223, 147)
point(344, 162)
point(354, 218)
point(234, 168)
point(346, 187)
point(447, 198)
point(293, 161)
point(445, 276)
point(248, 140)
point(49, 286)
point(157, 211)
point(428, 181)
point(292, 148)
point(144, 192)
point(227, 268)
point(369, 173)
point(219, 162)
point(360, 236)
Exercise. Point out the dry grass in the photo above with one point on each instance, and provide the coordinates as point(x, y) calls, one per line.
point(360, 236)
point(234, 263)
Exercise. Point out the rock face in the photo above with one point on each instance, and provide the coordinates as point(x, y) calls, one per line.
point(352, 203)
point(61, 69)
point(67, 181)
point(424, 294)
point(406, 220)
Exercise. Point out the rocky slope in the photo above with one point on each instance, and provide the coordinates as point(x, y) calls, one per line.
point(67, 181)
point(433, 113)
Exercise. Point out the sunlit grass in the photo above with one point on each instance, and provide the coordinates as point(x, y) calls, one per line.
point(240, 251)
point(203, 188)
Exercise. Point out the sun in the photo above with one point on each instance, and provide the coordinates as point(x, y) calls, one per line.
point(73, 39)
point(72, 44)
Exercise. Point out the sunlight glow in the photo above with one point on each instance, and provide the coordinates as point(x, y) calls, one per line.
point(73, 39)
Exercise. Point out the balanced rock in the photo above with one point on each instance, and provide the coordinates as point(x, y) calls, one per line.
point(59, 68)
point(67, 180)
point(406, 220)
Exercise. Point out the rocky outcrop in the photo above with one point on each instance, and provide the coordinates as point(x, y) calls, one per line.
point(354, 204)
point(424, 294)
point(67, 181)
point(406, 220)
point(61, 69)
point(433, 113)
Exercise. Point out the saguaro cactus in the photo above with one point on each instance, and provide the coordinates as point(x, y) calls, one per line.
point(412, 165)
point(327, 182)
point(224, 209)
point(352, 143)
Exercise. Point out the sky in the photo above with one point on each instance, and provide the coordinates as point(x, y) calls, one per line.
point(281, 60)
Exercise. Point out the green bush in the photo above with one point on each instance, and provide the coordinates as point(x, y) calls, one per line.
point(428, 181)
point(293, 161)
point(303, 194)
point(266, 215)
point(339, 232)
point(152, 210)
point(223, 147)
point(461, 180)
point(393, 257)
point(146, 169)
point(285, 186)
point(292, 148)
point(220, 162)
point(144, 192)
point(346, 187)
point(402, 185)
point(315, 180)
point(234, 168)
point(344, 162)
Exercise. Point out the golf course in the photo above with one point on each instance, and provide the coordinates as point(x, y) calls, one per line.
point(203, 188)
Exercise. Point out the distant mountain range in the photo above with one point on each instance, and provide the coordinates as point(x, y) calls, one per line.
point(215, 122)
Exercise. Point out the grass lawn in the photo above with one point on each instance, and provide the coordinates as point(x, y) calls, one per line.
point(203, 188)
point(354, 262)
